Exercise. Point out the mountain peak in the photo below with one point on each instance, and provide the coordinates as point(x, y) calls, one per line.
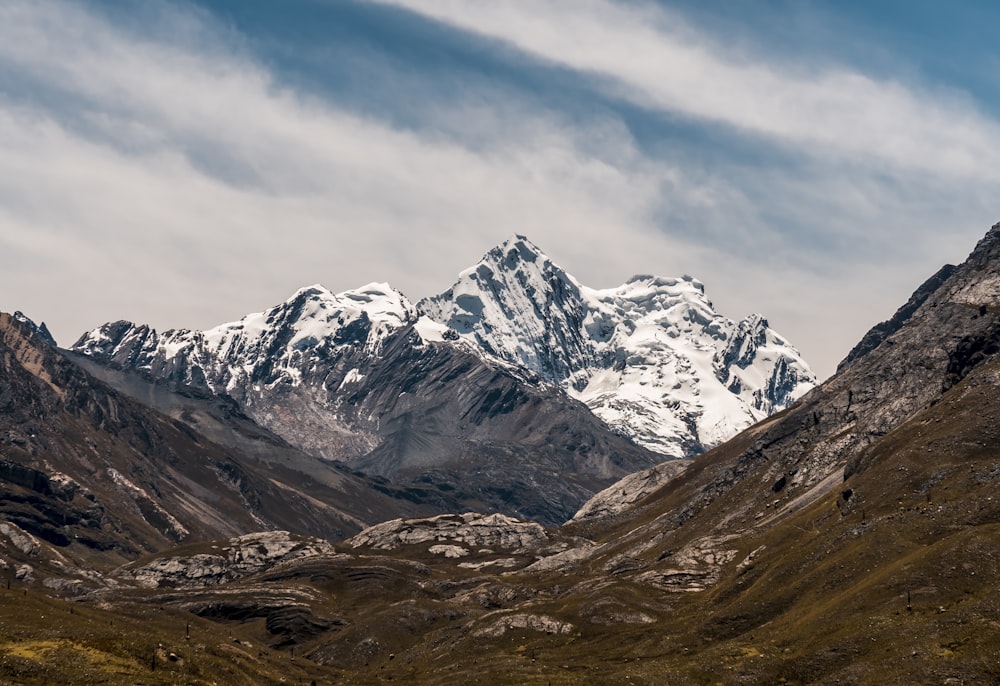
point(992, 236)
point(987, 249)
point(651, 357)
point(517, 305)
point(317, 289)
point(519, 253)
point(519, 241)
point(39, 329)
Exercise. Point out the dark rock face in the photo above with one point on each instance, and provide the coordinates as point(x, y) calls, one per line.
point(741, 348)
point(39, 330)
point(435, 414)
point(350, 378)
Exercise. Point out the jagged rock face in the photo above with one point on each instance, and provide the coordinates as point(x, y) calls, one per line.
point(40, 330)
point(926, 350)
point(519, 306)
point(651, 358)
point(393, 399)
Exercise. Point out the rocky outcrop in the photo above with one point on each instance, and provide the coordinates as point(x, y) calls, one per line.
point(498, 626)
point(238, 558)
point(40, 330)
point(624, 494)
point(695, 567)
point(469, 531)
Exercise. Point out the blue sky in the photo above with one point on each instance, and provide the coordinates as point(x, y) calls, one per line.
point(184, 163)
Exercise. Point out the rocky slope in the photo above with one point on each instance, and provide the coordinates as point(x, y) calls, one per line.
point(850, 538)
point(949, 329)
point(90, 477)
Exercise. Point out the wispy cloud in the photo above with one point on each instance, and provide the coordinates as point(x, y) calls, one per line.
point(654, 59)
point(160, 160)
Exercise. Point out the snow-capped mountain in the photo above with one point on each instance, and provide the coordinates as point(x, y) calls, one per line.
point(262, 350)
point(485, 379)
point(652, 358)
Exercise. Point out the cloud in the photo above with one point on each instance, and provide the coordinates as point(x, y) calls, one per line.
point(652, 58)
point(163, 170)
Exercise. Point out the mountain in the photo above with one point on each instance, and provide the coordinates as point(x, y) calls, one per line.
point(40, 330)
point(851, 538)
point(95, 478)
point(361, 377)
point(476, 389)
point(652, 358)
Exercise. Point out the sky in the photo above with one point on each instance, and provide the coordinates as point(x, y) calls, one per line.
point(183, 163)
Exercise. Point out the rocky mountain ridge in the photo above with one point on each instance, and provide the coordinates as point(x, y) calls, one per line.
point(351, 378)
point(651, 359)
point(89, 473)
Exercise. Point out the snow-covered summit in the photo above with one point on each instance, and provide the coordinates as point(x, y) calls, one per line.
point(518, 305)
point(315, 317)
point(275, 346)
point(651, 357)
